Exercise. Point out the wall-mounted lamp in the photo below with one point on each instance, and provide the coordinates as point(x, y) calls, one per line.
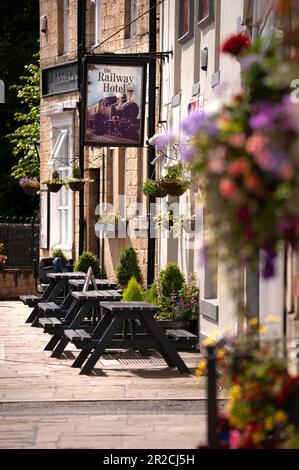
point(43, 24)
point(204, 59)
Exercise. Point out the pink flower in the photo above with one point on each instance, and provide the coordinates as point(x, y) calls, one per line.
point(256, 143)
point(243, 214)
point(217, 162)
point(237, 140)
point(238, 167)
point(234, 439)
point(228, 188)
point(286, 171)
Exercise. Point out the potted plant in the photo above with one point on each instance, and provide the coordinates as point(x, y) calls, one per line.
point(88, 260)
point(76, 183)
point(3, 258)
point(179, 301)
point(59, 259)
point(154, 188)
point(55, 183)
point(128, 267)
point(175, 183)
point(30, 185)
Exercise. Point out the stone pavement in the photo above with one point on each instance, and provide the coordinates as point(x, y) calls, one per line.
point(28, 375)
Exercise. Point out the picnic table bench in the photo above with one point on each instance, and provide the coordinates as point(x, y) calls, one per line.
point(84, 303)
point(60, 310)
point(106, 335)
point(58, 284)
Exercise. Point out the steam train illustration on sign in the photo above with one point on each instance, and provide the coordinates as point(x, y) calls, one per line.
point(115, 116)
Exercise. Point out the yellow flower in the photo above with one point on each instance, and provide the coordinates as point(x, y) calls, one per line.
point(235, 392)
point(221, 353)
point(272, 319)
point(201, 368)
point(253, 322)
point(280, 416)
point(211, 339)
point(235, 422)
point(268, 423)
point(262, 329)
point(257, 437)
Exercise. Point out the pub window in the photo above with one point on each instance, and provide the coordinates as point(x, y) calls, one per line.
point(130, 15)
point(95, 22)
point(66, 26)
point(206, 13)
point(63, 25)
point(186, 19)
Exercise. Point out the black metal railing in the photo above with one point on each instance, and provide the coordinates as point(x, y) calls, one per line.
point(20, 236)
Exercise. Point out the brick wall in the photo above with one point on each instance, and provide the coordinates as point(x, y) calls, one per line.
point(16, 282)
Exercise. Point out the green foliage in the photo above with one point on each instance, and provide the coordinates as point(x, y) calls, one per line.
point(128, 266)
point(77, 173)
point(171, 279)
point(133, 292)
point(149, 187)
point(55, 175)
point(27, 133)
point(57, 253)
point(86, 260)
point(152, 295)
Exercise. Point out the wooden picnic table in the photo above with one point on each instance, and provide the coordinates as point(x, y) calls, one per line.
point(105, 335)
point(84, 304)
point(58, 284)
point(102, 284)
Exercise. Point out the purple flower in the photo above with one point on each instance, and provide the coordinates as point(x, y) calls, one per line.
point(193, 122)
point(187, 154)
point(249, 61)
point(262, 116)
point(268, 270)
point(163, 140)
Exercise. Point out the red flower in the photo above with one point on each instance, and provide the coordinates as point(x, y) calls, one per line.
point(236, 44)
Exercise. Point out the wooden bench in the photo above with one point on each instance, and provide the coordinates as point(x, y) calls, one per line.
point(30, 300)
point(50, 307)
point(183, 338)
point(51, 325)
point(79, 336)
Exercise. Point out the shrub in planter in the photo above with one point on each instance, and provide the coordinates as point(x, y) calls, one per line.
point(151, 294)
point(133, 292)
point(128, 266)
point(30, 185)
point(154, 188)
point(60, 259)
point(55, 183)
point(171, 280)
point(88, 260)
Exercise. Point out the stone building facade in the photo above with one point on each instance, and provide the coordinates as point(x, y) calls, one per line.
point(115, 171)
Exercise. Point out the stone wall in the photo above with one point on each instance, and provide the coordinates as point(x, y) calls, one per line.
point(16, 282)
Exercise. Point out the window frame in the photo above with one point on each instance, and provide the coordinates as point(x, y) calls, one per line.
point(183, 38)
point(61, 236)
point(203, 22)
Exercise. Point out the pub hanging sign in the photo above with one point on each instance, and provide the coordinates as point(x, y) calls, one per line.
point(114, 101)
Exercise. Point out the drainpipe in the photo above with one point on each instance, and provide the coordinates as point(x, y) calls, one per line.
point(252, 284)
point(151, 131)
point(81, 29)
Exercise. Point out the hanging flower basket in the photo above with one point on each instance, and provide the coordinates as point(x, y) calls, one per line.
point(154, 188)
point(175, 187)
point(29, 185)
point(54, 187)
point(76, 185)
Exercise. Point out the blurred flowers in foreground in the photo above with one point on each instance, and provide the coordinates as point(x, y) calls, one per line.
point(263, 405)
point(245, 156)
